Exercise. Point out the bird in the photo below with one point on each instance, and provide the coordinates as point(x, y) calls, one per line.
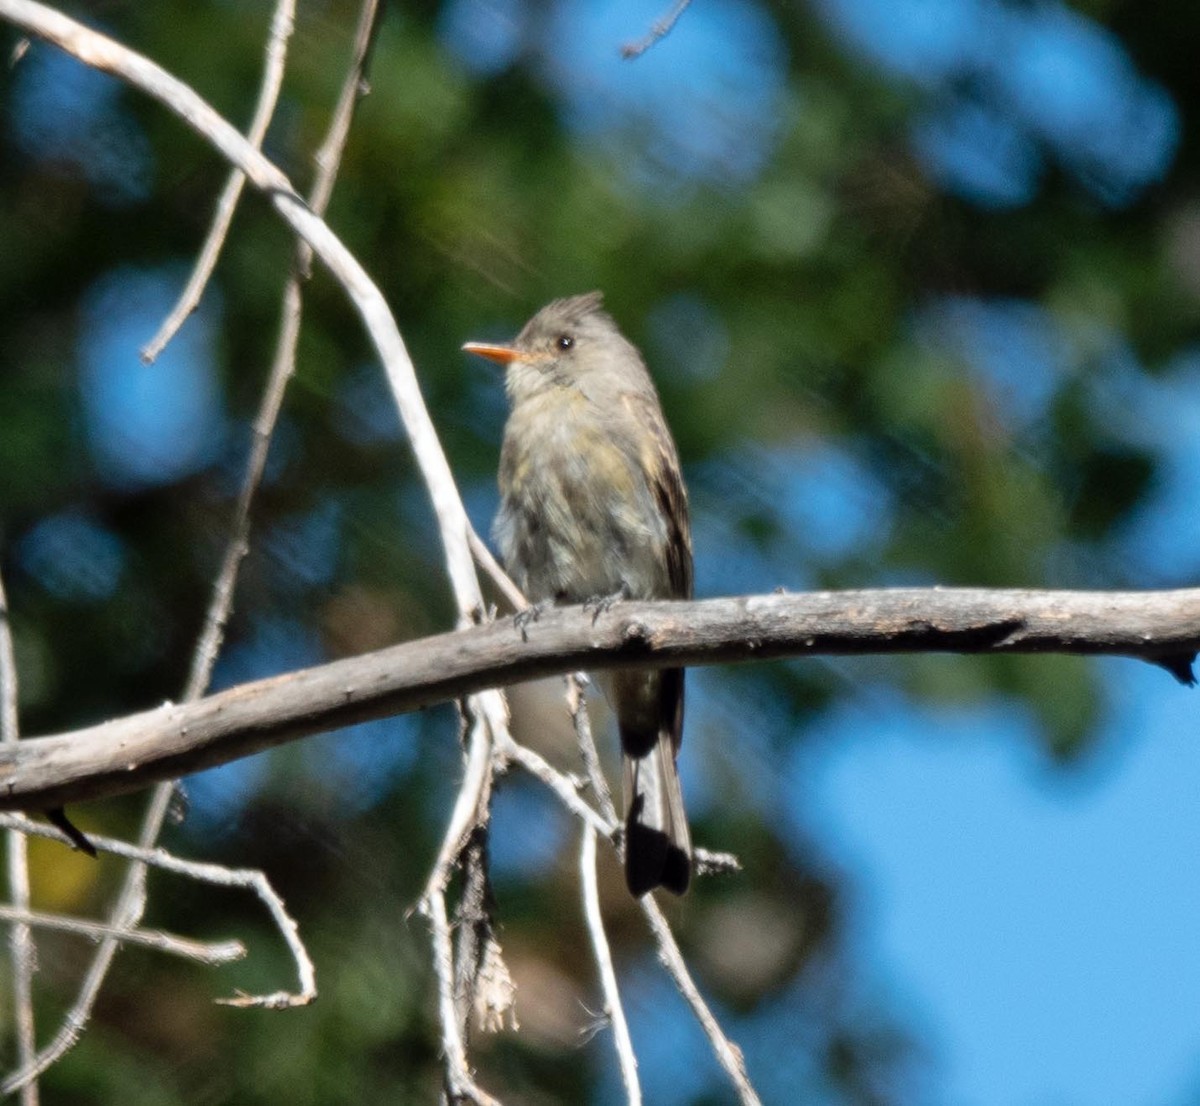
point(593, 509)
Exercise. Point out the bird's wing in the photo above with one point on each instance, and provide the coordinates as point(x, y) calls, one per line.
point(660, 463)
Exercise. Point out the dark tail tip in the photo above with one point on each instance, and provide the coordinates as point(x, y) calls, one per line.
point(652, 860)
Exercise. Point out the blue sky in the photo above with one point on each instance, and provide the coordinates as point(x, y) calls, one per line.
point(1034, 925)
point(1037, 925)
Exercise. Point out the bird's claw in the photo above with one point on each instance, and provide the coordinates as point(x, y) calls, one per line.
point(522, 619)
point(602, 604)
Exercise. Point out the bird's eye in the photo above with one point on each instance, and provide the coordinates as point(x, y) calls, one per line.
point(565, 342)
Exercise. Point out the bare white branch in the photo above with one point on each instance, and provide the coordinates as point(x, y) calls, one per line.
point(460, 1083)
point(21, 943)
point(660, 30)
point(582, 722)
point(211, 953)
point(604, 965)
point(246, 879)
point(489, 564)
point(729, 1056)
point(282, 23)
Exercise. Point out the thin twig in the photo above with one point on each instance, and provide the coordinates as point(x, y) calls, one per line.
point(608, 976)
point(473, 795)
point(21, 943)
point(212, 953)
point(328, 157)
point(729, 1056)
point(660, 30)
point(563, 786)
point(283, 367)
point(587, 746)
point(276, 53)
point(247, 879)
point(460, 1084)
point(489, 564)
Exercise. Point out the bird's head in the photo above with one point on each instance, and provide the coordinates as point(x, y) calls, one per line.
point(571, 342)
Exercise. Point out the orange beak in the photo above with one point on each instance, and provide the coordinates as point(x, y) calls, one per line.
point(504, 355)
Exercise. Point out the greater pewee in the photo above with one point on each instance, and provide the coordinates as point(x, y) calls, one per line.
point(592, 506)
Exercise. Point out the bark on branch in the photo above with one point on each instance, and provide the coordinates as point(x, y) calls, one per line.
point(1162, 627)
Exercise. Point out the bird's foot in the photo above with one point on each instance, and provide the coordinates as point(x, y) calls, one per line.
point(532, 613)
point(602, 604)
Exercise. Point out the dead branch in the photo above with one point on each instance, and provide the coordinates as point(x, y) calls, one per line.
point(1160, 627)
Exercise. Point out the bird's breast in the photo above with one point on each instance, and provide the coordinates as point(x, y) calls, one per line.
point(577, 518)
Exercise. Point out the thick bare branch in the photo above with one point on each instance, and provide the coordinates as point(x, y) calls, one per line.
point(172, 740)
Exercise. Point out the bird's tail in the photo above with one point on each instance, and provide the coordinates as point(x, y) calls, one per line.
point(658, 845)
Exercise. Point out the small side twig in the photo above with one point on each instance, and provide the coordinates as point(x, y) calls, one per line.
point(660, 30)
point(608, 976)
point(587, 746)
point(711, 863)
point(212, 953)
point(489, 564)
point(563, 786)
point(245, 879)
